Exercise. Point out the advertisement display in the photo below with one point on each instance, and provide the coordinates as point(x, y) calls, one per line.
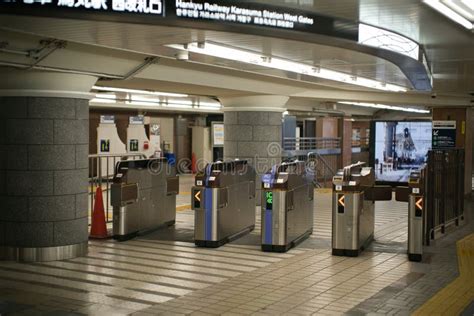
point(399, 148)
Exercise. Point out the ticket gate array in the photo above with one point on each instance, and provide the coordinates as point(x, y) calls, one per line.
point(353, 218)
point(143, 196)
point(223, 199)
point(414, 194)
point(287, 206)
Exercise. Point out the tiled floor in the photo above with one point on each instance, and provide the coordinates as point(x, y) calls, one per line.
point(164, 273)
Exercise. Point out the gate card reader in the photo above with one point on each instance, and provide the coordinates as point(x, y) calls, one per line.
point(287, 206)
point(223, 199)
point(143, 196)
point(352, 210)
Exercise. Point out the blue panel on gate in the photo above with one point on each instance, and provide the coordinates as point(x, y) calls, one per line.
point(208, 213)
point(268, 227)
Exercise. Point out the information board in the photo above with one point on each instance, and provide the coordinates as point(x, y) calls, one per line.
point(444, 134)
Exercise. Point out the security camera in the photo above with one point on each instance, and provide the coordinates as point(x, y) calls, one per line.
point(182, 55)
point(433, 96)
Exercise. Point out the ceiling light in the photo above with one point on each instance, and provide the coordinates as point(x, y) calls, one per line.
point(142, 103)
point(386, 107)
point(450, 13)
point(101, 100)
point(209, 104)
point(468, 3)
point(212, 108)
point(114, 89)
point(179, 106)
point(225, 52)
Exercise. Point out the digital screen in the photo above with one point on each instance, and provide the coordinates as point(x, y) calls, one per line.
point(269, 200)
point(197, 199)
point(400, 147)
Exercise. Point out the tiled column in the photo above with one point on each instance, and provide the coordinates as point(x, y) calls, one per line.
point(44, 145)
point(253, 131)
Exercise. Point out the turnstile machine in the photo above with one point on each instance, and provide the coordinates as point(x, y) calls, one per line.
point(143, 196)
point(352, 210)
point(223, 199)
point(414, 194)
point(287, 206)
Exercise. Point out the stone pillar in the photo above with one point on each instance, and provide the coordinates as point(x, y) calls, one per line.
point(253, 131)
point(44, 146)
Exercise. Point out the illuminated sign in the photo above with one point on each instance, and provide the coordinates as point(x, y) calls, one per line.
point(105, 145)
point(217, 12)
point(197, 200)
point(134, 145)
point(340, 203)
point(151, 7)
point(269, 200)
point(233, 13)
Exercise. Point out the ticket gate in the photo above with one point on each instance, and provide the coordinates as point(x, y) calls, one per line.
point(287, 206)
point(143, 196)
point(353, 218)
point(223, 199)
point(414, 194)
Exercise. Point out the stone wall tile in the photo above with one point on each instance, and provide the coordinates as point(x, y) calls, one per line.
point(13, 208)
point(26, 131)
point(71, 181)
point(51, 157)
point(52, 208)
point(53, 108)
point(82, 156)
point(71, 232)
point(82, 205)
point(71, 132)
point(29, 234)
point(29, 183)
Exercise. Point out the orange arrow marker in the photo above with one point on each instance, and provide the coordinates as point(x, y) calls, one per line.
point(419, 203)
point(341, 200)
point(197, 196)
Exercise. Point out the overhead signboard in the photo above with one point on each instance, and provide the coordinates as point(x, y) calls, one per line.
point(220, 13)
point(137, 120)
point(107, 119)
point(444, 134)
point(146, 7)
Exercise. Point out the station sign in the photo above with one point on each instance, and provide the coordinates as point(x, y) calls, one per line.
point(444, 134)
point(216, 14)
point(137, 120)
point(107, 119)
point(144, 7)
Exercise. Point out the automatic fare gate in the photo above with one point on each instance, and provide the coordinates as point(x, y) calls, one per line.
point(414, 194)
point(353, 218)
point(143, 196)
point(287, 206)
point(223, 199)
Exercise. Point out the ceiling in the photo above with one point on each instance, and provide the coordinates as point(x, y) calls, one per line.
point(449, 47)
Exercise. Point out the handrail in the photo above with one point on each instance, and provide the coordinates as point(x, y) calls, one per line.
point(101, 170)
point(326, 166)
point(311, 143)
point(117, 156)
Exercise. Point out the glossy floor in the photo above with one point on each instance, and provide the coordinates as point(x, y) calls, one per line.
point(164, 273)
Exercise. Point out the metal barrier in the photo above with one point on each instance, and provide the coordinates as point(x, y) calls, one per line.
point(323, 170)
point(310, 143)
point(445, 192)
point(101, 172)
